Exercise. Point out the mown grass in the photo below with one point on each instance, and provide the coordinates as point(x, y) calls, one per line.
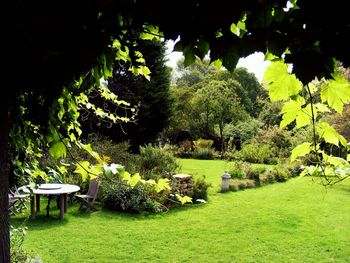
point(296, 221)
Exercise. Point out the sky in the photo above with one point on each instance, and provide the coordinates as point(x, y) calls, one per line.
point(254, 63)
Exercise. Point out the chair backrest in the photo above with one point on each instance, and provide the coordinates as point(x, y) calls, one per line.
point(12, 199)
point(93, 188)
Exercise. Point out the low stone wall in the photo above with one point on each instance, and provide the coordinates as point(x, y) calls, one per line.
point(184, 184)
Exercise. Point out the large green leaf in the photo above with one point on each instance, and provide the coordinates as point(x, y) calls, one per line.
point(189, 56)
point(336, 92)
point(58, 150)
point(82, 169)
point(134, 180)
point(294, 110)
point(184, 199)
point(337, 161)
point(163, 184)
point(282, 84)
point(330, 135)
point(301, 150)
point(151, 32)
point(202, 48)
point(88, 148)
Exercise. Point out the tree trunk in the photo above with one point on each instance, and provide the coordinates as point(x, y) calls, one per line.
point(4, 184)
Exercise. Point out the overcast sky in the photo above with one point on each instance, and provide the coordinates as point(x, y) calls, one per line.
point(254, 63)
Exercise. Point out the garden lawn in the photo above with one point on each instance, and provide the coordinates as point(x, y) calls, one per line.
point(296, 221)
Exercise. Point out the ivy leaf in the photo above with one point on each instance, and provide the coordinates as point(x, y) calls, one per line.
point(293, 110)
point(336, 92)
point(329, 134)
point(301, 150)
point(58, 150)
point(82, 169)
point(348, 158)
point(282, 84)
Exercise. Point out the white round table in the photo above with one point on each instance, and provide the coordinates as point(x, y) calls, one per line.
point(50, 189)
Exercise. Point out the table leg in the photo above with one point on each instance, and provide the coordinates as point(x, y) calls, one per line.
point(62, 205)
point(65, 202)
point(32, 207)
point(37, 202)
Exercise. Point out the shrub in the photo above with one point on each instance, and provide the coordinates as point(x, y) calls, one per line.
point(268, 177)
point(279, 140)
point(17, 253)
point(170, 148)
point(117, 194)
point(203, 144)
point(203, 149)
point(203, 154)
point(292, 168)
point(256, 153)
point(278, 174)
point(238, 171)
point(254, 174)
point(236, 185)
point(154, 163)
point(200, 189)
point(243, 130)
point(185, 149)
point(230, 155)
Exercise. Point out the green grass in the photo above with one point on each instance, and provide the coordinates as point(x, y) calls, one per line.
point(296, 221)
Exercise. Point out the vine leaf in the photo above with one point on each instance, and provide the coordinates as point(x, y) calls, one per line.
point(336, 92)
point(88, 148)
point(301, 150)
point(333, 160)
point(330, 135)
point(85, 170)
point(293, 110)
point(58, 150)
point(82, 169)
point(282, 84)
